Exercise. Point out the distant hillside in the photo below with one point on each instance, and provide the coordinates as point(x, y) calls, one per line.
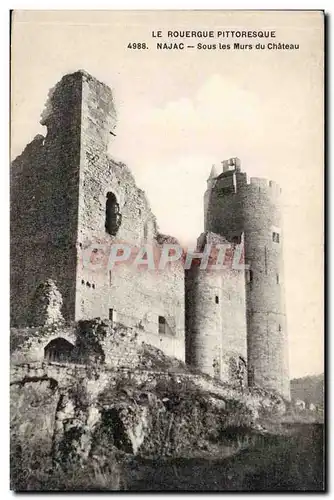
point(310, 389)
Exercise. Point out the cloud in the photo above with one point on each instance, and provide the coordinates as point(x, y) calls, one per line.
point(171, 148)
point(219, 117)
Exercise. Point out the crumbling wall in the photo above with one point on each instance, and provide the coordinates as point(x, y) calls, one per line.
point(59, 190)
point(46, 305)
point(28, 344)
point(134, 297)
point(44, 198)
point(99, 342)
point(88, 342)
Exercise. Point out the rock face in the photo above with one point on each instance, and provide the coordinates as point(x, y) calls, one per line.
point(82, 391)
point(32, 423)
point(47, 304)
point(139, 412)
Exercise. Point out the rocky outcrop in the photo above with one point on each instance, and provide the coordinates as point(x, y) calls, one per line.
point(137, 412)
point(119, 396)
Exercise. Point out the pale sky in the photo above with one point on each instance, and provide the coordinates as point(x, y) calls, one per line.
point(181, 111)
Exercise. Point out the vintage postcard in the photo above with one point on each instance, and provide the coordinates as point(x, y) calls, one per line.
point(167, 207)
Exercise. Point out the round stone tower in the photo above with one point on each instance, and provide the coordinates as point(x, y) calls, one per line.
point(234, 206)
point(203, 319)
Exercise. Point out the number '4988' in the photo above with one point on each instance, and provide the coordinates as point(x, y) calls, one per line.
point(137, 45)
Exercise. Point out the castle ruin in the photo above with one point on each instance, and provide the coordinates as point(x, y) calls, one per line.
point(67, 192)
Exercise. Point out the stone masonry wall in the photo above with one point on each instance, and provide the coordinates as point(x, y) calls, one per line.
point(268, 357)
point(44, 197)
point(253, 208)
point(59, 188)
point(137, 297)
point(97, 380)
point(216, 333)
point(93, 342)
point(28, 344)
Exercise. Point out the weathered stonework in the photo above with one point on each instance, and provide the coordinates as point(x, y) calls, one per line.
point(47, 305)
point(60, 187)
point(71, 202)
point(216, 334)
point(237, 208)
point(91, 342)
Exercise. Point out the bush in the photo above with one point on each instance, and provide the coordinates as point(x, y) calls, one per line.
point(33, 470)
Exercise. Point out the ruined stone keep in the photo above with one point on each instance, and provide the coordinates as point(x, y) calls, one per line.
point(67, 194)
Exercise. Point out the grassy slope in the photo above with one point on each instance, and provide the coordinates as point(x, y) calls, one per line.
point(278, 463)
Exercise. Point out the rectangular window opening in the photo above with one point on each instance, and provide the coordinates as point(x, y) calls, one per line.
point(111, 315)
point(275, 237)
point(249, 276)
point(162, 324)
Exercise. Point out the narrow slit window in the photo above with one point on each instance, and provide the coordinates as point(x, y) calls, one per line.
point(217, 299)
point(249, 276)
point(111, 314)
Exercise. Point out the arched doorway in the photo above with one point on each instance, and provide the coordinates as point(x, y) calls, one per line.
point(59, 350)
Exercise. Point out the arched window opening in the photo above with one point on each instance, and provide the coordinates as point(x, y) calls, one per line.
point(113, 215)
point(59, 350)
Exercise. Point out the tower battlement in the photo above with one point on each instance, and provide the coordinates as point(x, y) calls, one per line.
point(229, 179)
point(265, 185)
